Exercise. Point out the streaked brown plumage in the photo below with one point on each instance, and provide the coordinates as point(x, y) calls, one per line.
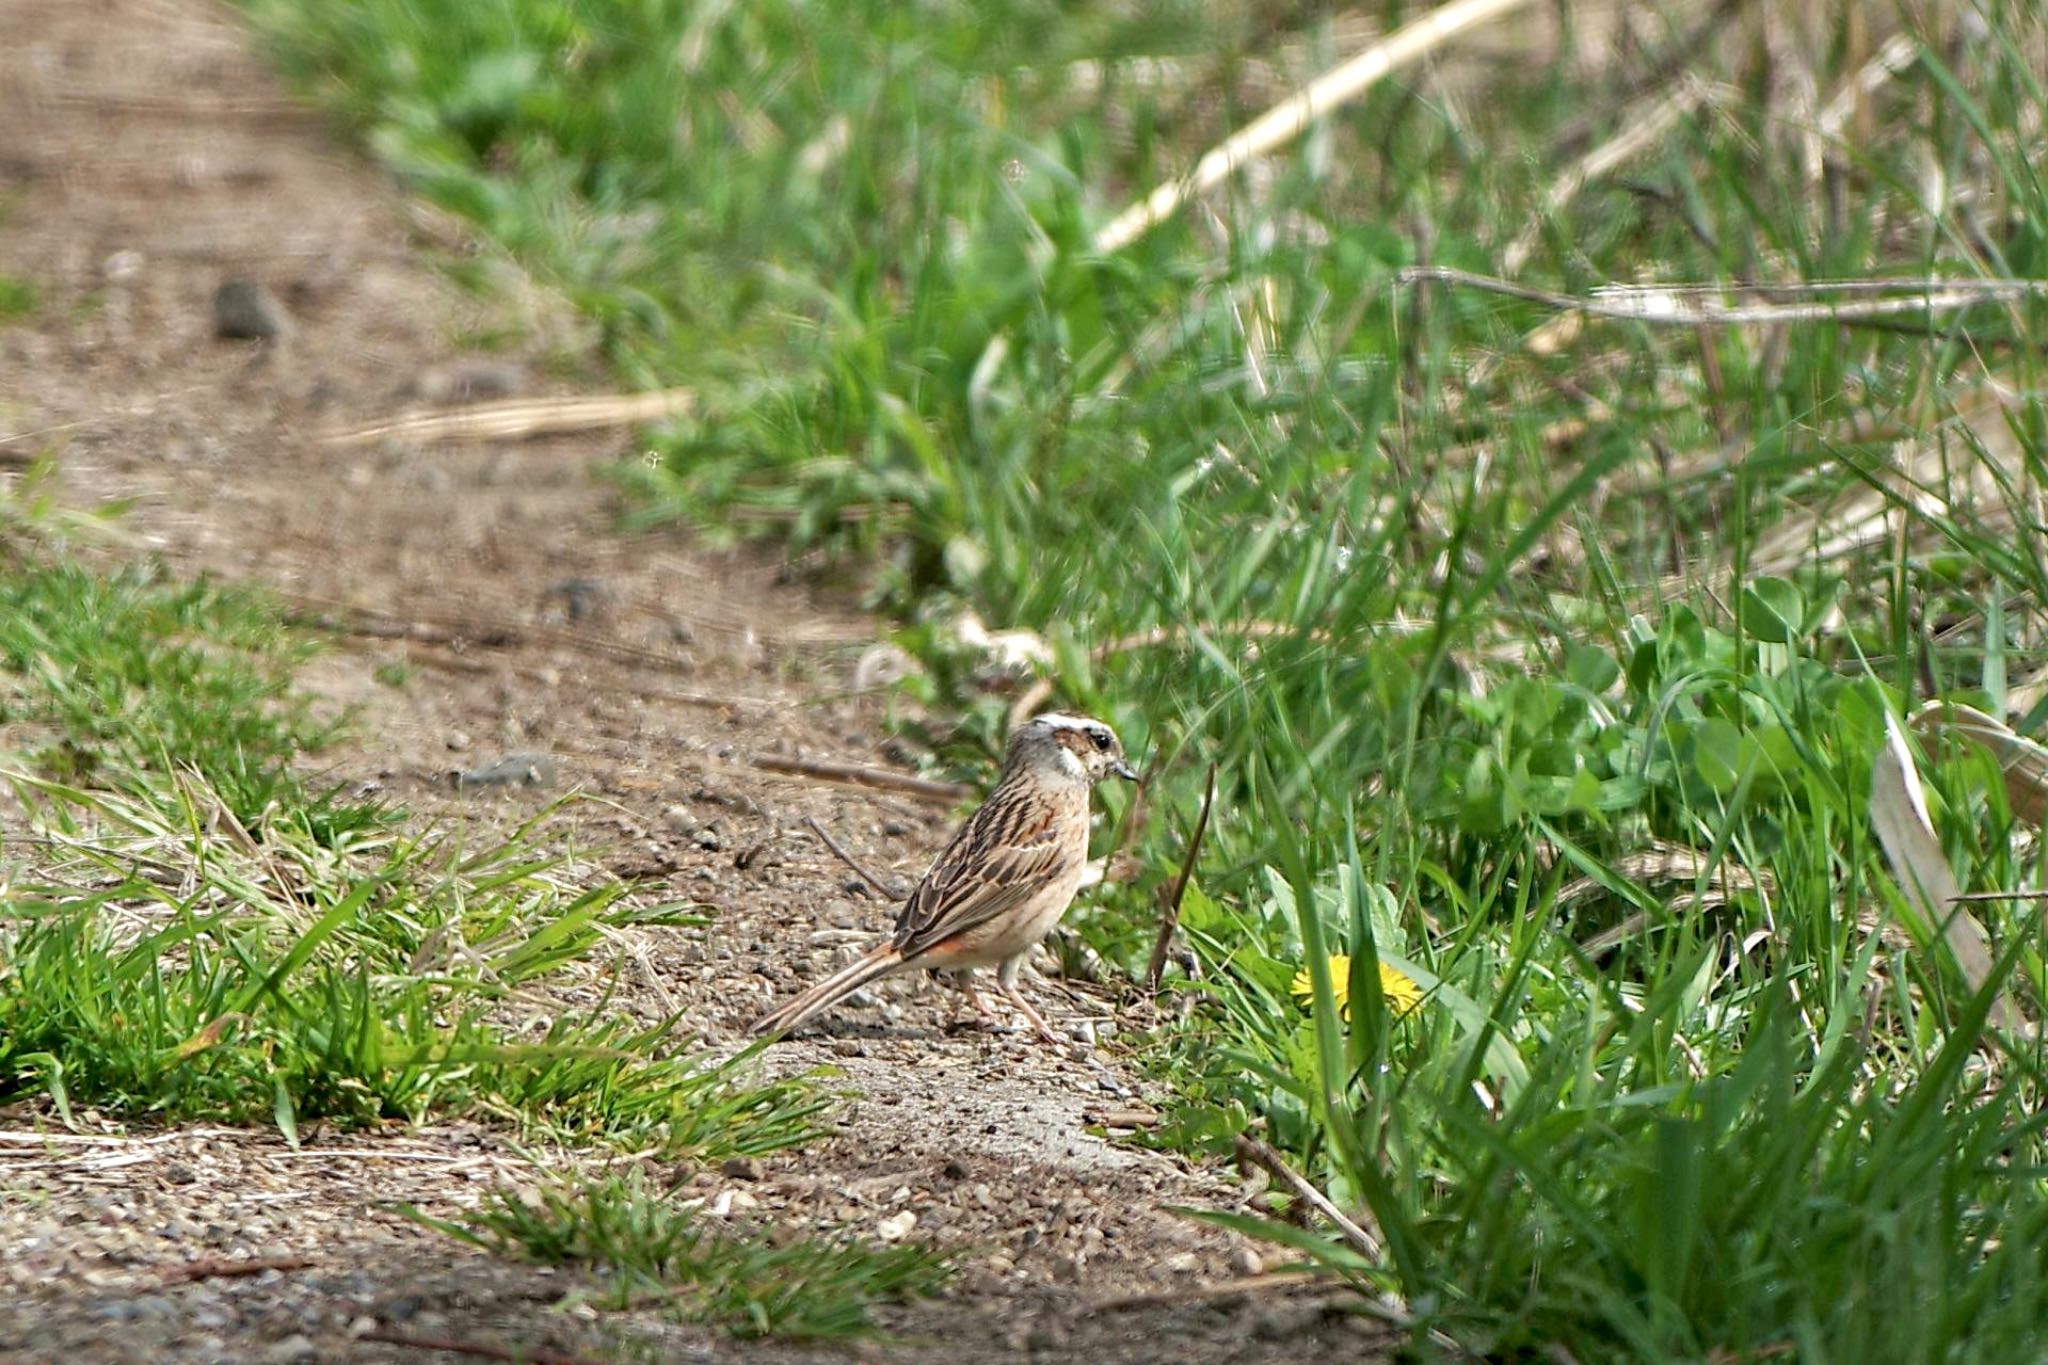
point(1005, 879)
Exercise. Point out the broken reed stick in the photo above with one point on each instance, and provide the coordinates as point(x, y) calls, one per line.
point(1169, 921)
point(1291, 117)
point(520, 418)
point(857, 775)
point(222, 1268)
point(870, 878)
point(1687, 305)
point(1258, 1153)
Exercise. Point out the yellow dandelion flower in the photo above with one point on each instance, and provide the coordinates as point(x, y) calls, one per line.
point(1403, 996)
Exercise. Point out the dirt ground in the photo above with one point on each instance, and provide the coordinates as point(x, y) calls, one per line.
point(146, 156)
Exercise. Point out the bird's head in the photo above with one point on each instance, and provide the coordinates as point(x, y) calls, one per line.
point(1079, 748)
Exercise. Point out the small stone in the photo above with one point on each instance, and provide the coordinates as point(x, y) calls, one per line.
point(1245, 1261)
point(581, 598)
point(457, 741)
point(707, 838)
point(244, 310)
point(1045, 1336)
point(513, 770)
point(294, 1347)
point(123, 267)
point(1184, 1262)
point(896, 1227)
point(741, 1168)
point(881, 665)
point(178, 1173)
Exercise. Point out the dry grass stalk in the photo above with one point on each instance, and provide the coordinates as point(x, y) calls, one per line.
point(1643, 126)
point(2022, 763)
point(1962, 474)
point(1291, 117)
point(1169, 921)
point(1900, 51)
point(519, 419)
point(1689, 305)
point(1898, 812)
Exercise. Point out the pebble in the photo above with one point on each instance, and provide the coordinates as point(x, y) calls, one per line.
point(581, 598)
point(243, 310)
point(741, 1168)
point(513, 770)
point(896, 1227)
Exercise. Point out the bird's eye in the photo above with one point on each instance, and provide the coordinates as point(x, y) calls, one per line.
point(1101, 739)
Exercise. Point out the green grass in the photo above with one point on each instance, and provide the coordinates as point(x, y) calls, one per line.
point(1524, 613)
point(652, 1251)
point(132, 671)
point(160, 965)
point(193, 929)
point(18, 298)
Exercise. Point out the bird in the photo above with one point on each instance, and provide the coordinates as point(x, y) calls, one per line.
point(1002, 883)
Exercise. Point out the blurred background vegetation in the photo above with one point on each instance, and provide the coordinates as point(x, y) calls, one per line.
point(1544, 656)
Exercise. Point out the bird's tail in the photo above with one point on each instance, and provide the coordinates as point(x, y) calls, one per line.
point(830, 991)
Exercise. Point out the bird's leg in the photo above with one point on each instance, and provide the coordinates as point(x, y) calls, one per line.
point(961, 979)
point(1006, 982)
point(988, 1016)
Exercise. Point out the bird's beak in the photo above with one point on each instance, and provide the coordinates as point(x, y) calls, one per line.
point(1125, 771)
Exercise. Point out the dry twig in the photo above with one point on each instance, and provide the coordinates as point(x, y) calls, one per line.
point(1258, 1153)
point(855, 774)
point(223, 1267)
point(1169, 921)
point(870, 878)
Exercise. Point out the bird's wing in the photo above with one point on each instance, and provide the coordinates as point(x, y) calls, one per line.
point(1008, 852)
